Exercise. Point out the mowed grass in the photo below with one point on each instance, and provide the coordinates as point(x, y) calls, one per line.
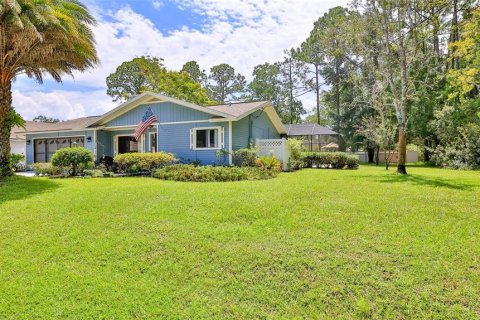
point(311, 244)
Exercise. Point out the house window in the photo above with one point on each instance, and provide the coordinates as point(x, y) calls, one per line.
point(127, 144)
point(153, 142)
point(207, 138)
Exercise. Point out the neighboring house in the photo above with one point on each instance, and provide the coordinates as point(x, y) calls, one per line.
point(314, 136)
point(191, 132)
point(17, 135)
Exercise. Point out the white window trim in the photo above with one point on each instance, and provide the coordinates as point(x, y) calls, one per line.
point(115, 143)
point(219, 138)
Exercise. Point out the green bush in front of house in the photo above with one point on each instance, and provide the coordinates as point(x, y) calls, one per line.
point(245, 157)
point(149, 161)
point(46, 168)
point(74, 160)
point(17, 161)
point(333, 160)
point(187, 172)
point(295, 149)
point(269, 163)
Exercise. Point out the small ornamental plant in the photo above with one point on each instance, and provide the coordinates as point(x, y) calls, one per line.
point(74, 159)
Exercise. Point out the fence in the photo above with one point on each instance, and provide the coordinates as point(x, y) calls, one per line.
point(412, 156)
point(274, 147)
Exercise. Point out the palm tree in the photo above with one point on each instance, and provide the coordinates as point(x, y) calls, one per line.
point(39, 37)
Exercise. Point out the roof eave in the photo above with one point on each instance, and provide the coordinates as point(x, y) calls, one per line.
point(144, 98)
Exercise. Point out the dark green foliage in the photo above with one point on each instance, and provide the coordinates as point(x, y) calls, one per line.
point(245, 157)
point(149, 74)
point(193, 69)
point(186, 172)
point(461, 151)
point(42, 118)
point(17, 161)
point(333, 160)
point(269, 163)
point(73, 159)
point(149, 161)
point(224, 84)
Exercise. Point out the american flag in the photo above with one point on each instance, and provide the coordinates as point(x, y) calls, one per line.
point(147, 120)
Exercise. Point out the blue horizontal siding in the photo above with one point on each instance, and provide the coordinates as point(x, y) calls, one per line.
point(33, 136)
point(175, 138)
point(262, 128)
point(165, 112)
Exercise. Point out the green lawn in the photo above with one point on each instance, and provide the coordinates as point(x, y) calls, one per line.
point(314, 244)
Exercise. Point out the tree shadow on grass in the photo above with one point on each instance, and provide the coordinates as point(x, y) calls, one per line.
point(18, 187)
point(424, 181)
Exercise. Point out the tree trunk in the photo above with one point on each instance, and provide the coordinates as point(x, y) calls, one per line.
point(455, 34)
point(371, 154)
point(426, 151)
point(317, 89)
point(337, 92)
point(5, 127)
point(377, 155)
point(290, 81)
point(402, 149)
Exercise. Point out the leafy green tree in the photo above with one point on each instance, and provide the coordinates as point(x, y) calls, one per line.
point(193, 69)
point(457, 124)
point(134, 77)
point(325, 50)
point(294, 84)
point(149, 74)
point(39, 37)
point(42, 118)
point(267, 85)
point(224, 84)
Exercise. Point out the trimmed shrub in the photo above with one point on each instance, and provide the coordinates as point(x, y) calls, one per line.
point(186, 172)
point(295, 148)
point(333, 160)
point(46, 168)
point(17, 162)
point(94, 173)
point(245, 157)
point(269, 163)
point(74, 159)
point(149, 161)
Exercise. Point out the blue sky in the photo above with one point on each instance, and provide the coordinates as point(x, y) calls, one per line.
point(243, 33)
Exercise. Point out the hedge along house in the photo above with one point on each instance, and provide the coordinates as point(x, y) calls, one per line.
point(193, 133)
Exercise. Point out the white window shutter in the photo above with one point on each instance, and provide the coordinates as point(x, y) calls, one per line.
point(222, 138)
point(191, 139)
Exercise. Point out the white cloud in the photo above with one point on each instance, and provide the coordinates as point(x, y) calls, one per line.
point(240, 33)
point(157, 5)
point(61, 104)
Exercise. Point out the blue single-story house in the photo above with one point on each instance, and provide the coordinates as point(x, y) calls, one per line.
point(191, 132)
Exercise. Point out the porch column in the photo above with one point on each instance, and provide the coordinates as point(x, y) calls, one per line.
point(230, 139)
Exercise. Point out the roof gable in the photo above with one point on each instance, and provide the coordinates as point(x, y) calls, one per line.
point(149, 97)
point(242, 109)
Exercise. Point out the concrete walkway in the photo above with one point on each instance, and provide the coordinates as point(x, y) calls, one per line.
point(25, 174)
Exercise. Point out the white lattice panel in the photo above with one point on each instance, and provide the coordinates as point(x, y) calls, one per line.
point(274, 147)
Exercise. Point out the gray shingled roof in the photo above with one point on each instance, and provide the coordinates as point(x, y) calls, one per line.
point(34, 126)
point(306, 129)
point(237, 109)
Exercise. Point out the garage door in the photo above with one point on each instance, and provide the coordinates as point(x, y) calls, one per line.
point(45, 148)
